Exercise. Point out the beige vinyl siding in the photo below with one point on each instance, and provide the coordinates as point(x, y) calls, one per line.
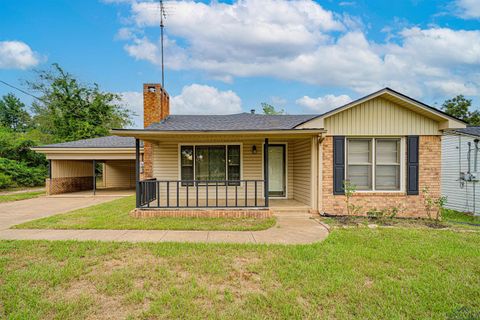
point(380, 117)
point(71, 168)
point(166, 167)
point(119, 174)
point(301, 150)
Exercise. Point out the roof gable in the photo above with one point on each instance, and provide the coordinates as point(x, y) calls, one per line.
point(446, 121)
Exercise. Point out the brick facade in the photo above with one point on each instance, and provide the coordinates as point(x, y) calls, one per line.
point(69, 184)
point(156, 107)
point(202, 213)
point(410, 206)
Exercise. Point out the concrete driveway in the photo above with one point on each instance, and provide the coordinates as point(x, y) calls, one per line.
point(16, 212)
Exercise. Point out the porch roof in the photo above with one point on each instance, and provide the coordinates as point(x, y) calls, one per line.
point(147, 134)
point(229, 122)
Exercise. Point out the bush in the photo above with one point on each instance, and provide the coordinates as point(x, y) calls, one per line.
point(20, 174)
point(17, 146)
point(5, 181)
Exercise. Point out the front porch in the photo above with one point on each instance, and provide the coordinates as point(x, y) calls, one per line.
point(237, 175)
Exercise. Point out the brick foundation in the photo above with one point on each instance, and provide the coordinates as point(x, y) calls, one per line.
point(410, 206)
point(202, 213)
point(65, 185)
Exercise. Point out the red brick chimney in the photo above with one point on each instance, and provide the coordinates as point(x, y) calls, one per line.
point(156, 107)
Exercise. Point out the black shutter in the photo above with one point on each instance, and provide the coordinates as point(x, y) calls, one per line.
point(338, 164)
point(412, 165)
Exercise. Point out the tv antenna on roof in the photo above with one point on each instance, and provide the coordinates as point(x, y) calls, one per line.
point(163, 16)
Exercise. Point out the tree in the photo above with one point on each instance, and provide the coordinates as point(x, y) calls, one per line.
point(17, 146)
point(459, 107)
point(13, 114)
point(269, 109)
point(69, 110)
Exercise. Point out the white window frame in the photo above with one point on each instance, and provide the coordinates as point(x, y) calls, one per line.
point(179, 162)
point(374, 162)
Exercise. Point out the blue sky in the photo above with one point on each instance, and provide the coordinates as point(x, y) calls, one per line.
point(223, 57)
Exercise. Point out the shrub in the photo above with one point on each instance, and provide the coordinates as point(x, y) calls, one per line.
point(433, 205)
point(350, 189)
point(5, 181)
point(20, 174)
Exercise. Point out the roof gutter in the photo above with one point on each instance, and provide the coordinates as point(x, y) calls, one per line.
point(141, 133)
point(83, 150)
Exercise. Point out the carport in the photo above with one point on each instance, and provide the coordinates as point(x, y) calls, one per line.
point(96, 165)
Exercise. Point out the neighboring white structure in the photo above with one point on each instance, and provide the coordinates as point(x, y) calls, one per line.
point(461, 169)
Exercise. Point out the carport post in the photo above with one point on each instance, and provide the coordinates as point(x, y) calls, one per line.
point(49, 176)
point(94, 177)
point(137, 173)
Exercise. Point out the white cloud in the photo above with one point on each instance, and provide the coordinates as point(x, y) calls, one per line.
point(133, 100)
point(278, 101)
point(301, 41)
point(17, 55)
point(250, 29)
point(347, 3)
point(144, 49)
point(202, 99)
point(323, 104)
point(194, 99)
point(468, 9)
point(454, 87)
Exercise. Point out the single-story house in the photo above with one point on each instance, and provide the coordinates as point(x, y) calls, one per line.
point(72, 164)
point(386, 144)
point(461, 169)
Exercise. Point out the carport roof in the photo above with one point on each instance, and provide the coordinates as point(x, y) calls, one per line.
point(101, 142)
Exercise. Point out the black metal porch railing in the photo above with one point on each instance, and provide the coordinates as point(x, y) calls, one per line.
point(155, 193)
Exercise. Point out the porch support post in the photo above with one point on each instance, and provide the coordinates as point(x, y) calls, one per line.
point(94, 177)
point(265, 170)
point(137, 173)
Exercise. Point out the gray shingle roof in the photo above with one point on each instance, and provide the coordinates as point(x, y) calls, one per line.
point(102, 142)
point(239, 121)
point(475, 131)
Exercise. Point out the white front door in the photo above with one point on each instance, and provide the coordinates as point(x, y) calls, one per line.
point(276, 170)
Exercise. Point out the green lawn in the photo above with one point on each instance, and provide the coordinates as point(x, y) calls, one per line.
point(455, 216)
point(21, 196)
point(115, 215)
point(356, 273)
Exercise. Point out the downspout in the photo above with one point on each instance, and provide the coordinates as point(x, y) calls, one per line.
point(265, 172)
point(321, 138)
point(469, 157)
point(475, 167)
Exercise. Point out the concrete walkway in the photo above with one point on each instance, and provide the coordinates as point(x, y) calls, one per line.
point(291, 227)
point(16, 212)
